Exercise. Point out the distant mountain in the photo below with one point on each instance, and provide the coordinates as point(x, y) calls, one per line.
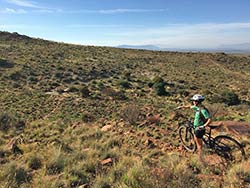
point(240, 48)
point(234, 48)
point(143, 47)
point(228, 48)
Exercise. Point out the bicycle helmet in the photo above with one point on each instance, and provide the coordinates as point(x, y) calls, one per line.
point(197, 97)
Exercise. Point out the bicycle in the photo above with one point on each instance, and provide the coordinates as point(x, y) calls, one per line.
point(223, 145)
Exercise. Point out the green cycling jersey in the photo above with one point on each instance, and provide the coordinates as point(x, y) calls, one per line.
point(198, 120)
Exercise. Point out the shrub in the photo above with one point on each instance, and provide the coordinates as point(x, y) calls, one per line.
point(159, 86)
point(21, 176)
point(77, 177)
point(15, 76)
point(8, 121)
point(5, 122)
point(238, 175)
point(32, 79)
point(73, 89)
point(14, 175)
point(85, 91)
point(34, 162)
point(131, 114)
point(101, 183)
point(138, 177)
point(127, 75)
point(5, 64)
point(227, 97)
point(230, 98)
point(87, 117)
point(125, 84)
point(55, 166)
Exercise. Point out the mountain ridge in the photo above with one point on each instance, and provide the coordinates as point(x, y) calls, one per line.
point(233, 48)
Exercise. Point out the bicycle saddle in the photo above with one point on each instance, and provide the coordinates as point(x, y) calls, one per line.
point(213, 126)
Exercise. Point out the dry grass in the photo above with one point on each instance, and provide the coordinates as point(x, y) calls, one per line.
point(56, 98)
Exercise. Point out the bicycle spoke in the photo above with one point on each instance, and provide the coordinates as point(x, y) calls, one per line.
point(229, 148)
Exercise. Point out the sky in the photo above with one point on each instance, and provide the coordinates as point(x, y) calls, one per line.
point(165, 23)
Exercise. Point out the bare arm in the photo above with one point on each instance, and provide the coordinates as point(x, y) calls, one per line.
point(184, 106)
point(207, 122)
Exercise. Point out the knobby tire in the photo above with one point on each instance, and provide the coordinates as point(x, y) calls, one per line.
point(229, 148)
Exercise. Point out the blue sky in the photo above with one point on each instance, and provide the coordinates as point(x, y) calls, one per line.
point(166, 23)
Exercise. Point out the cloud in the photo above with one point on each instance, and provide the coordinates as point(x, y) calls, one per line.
point(185, 35)
point(103, 26)
point(40, 9)
point(113, 11)
point(34, 6)
point(120, 11)
point(24, 3)
point(12, 11)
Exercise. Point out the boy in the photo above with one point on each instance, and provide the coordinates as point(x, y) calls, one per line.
point(202, 119)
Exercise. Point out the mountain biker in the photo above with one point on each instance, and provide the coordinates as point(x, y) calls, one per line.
point(202, 118)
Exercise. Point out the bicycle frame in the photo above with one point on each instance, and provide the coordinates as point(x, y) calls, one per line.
point(207, 138)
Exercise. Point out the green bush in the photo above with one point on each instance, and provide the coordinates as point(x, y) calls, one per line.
point(55, 166)
point(101, 183)
point(77, 177)
point(124, 84)
point(14, 175)
point(159, 88)
point(15, 76)
point(34, 162)
point(230, 98)
point(158, 85)
point(85, 92)
point(227, 97)
point(8, 121)
point(6, 64)
point(5, 122)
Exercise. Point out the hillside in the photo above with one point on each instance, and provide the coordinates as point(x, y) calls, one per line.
point(74, 116)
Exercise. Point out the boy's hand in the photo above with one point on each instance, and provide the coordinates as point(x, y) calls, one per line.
point(201, 127)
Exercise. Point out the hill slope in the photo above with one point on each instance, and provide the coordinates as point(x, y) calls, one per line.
point(76, 113)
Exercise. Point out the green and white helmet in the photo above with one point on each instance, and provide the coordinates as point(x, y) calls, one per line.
point(197, 97)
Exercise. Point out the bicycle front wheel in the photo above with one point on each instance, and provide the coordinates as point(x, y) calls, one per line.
point(229, 148)
point(187, 138)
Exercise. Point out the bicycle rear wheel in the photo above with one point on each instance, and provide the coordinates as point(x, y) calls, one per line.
point(229, 148)
point(187, 138)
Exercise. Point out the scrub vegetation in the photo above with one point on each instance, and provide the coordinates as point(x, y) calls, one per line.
point(78, 116)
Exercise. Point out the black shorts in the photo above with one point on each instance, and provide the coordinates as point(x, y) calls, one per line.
point(199, 133)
